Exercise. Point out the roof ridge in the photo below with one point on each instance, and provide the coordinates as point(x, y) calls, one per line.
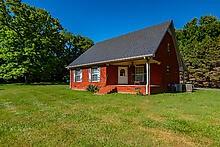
point(142, 42)
point(168, 22)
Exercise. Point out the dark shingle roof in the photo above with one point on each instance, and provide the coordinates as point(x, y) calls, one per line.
point(135, 44)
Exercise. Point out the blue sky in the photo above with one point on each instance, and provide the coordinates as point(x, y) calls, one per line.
point(103, 19)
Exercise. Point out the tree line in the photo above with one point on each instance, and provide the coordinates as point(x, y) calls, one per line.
point(199, 44)
point(34, 46)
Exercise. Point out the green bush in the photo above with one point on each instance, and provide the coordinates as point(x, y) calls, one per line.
point(93, 88)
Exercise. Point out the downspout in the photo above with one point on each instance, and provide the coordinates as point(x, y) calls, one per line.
point(147, 78)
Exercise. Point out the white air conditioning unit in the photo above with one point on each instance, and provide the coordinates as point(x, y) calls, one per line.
point(189, 87)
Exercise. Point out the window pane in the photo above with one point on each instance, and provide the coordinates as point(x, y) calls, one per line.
point(77, 78)
point(78, 75)
point(139, 73)
point(77, 72)
point(122, 72)
point(95, 73)
point(139, 70)
point(94, 77)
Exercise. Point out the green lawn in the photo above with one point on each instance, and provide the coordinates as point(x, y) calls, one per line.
point(51, 115)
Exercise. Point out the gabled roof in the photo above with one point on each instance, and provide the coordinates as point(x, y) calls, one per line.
point(133, 45)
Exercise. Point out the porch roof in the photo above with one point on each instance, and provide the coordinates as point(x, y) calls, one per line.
point(133, 45)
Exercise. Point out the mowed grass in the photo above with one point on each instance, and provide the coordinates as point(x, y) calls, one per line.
point(53, 115)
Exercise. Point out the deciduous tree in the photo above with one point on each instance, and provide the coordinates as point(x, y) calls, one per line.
point(34, 45)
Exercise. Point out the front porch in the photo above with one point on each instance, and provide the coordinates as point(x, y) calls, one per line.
point(129, 77)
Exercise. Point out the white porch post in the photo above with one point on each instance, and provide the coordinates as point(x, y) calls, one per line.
point(148, 78)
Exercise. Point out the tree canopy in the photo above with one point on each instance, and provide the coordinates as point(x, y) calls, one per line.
point(33, 45)
point(199, 43)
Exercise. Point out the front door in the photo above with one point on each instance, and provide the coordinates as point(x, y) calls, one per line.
point(122, 75)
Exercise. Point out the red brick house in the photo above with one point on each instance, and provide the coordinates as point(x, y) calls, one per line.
point(147, 60)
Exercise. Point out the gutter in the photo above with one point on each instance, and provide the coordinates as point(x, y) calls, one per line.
point(113, 60)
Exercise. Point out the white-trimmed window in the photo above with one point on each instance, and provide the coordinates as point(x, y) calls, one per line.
point(95, 74)
point(78, 75)
point(139, 73)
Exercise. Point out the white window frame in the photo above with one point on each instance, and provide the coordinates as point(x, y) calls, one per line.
point(139, 74)
point(79, 75)
point(97, 73)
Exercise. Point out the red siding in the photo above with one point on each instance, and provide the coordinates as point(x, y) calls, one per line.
point(159, 77)
point(131, 71)
point(112, 75)
point(159, 74)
